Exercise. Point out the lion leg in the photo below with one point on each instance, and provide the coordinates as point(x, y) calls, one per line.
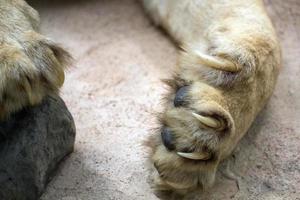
point(225, 75)
point(31, 65)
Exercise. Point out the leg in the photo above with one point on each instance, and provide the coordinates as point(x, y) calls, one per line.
point(31, 65)
point(226, 73)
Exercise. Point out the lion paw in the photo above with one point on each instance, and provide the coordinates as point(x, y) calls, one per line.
point(31, 68)
point(195, 129)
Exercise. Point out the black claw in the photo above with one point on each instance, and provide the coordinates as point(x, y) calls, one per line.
point(167, 139)
point(181, 96)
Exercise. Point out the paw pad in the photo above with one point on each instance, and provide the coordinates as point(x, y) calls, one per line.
point(167, 138)
point(181, 96)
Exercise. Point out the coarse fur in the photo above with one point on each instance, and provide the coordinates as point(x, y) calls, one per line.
point(229, 64)
point(32, 66)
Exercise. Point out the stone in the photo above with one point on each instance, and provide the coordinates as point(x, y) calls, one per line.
point(32, 144)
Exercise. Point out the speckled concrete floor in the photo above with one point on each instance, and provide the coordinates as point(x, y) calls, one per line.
point(114, 89)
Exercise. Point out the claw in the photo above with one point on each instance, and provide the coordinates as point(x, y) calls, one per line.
point(61, 78)
point(195, 155)
point(176, 185)
point(208, 121)
point(217, 63)
point(28, 90)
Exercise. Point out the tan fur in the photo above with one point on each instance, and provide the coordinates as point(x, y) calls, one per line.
point(230, 62)
point(31, 66)
point(237, 31)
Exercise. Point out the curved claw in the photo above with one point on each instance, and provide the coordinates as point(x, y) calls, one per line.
point(61, 78)
point(217, 62)
point(208, 121)
point(195, 155)
point(28, 90)
point(176, 185)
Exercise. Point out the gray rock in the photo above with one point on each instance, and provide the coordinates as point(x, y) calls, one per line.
point(32, 144)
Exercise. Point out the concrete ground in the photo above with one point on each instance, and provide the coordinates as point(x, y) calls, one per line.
point(114, 89)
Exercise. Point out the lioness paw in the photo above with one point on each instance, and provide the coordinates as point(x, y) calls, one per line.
point(194, 132)
point(31, 67)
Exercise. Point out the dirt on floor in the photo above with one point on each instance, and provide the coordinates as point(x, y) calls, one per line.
point(113, 91)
